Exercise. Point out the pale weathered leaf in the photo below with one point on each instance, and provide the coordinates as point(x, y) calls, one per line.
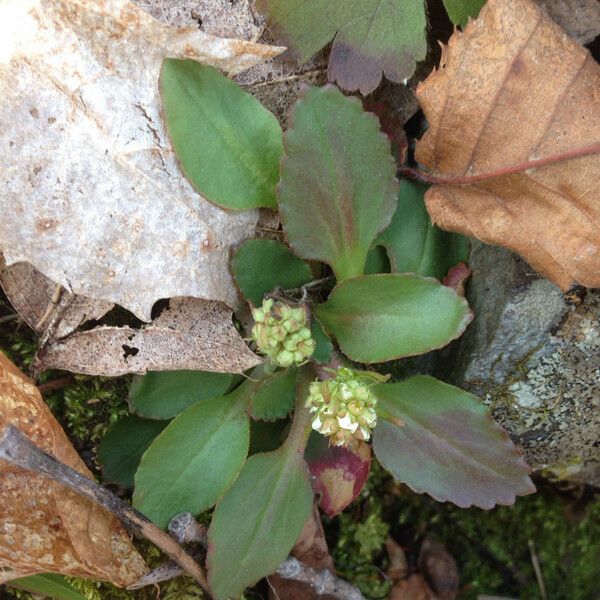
point(223, 18)
point(510, 89)
point(45, 527)
point(191, 334)
point(46, 306)
point(91, 192)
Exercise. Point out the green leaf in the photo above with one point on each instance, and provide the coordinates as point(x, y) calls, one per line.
point(260, 266)
point(448, 446)
point(372, 36)
point(195, 459)
point(257, 522)
point(165, 394)
point(337, 188)
point(383, 317)
point(48, 584)
point(377, 261)
point(459, 11)
point(324, 348)
point(274, 397)
point(228, 144)
point(413, 244)
point(123, 445)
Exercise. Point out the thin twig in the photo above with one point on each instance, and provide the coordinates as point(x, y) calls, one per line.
point(511, 170)
point(538, 570)
point(18, 450)
point(185, 529)
point(55, 384)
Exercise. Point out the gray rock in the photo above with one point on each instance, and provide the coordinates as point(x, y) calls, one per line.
point(533, 355)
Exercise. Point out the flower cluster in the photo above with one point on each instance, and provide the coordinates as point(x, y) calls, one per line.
point(343, 408)
point(282, 333)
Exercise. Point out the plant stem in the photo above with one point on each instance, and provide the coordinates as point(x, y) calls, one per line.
point(511, 170)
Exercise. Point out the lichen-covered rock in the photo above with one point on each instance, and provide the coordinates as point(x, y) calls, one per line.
point(533, 355)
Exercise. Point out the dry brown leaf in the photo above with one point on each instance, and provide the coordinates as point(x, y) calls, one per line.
point(47, 308)
point(92, 194)
point(413, 588)
point(311, 549)
point(513, 88)
point(579, 18)
point(190, 334)
point(45, 527)
point(440, 570)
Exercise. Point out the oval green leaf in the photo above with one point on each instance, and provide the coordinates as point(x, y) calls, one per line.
point(447, 445)
point(259, 266)
point(195, 459)
point(274, 397)
point(337, 189)
point(257, 522)
point(227, 143)
point(383, 317)
point(165, 394)
point(122, 447)
point(414, 244)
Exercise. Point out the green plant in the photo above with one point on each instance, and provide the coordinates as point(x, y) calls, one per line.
point(333, 176)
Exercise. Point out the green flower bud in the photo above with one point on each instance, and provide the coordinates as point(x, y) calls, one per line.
point(281, 333)
point(343, 408)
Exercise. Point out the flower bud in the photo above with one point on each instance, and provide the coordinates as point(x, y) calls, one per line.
point(282, 333)
point(343, 408)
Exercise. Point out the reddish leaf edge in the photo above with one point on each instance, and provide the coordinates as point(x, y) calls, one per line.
point(509, 499)
point(469, 316)
point(291, 123)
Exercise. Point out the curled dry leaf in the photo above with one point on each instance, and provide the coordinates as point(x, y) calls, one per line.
point(47, 307)
point(44, 527)
point(92, 194)
point(440, 570)
point(513, 88)
point(190, 334)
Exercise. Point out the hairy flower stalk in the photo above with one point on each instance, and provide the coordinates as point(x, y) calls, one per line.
point(282, 333)
point(343, 408)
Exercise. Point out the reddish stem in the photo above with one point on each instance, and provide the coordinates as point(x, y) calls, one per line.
point(518, 168)
point(55, 384)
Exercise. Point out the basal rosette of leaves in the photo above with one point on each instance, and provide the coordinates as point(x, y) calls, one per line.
point(318, 301)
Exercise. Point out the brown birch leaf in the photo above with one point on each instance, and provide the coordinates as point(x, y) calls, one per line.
point(191, 334)
point(512, 88)
point(45, 527)
point(91, 192)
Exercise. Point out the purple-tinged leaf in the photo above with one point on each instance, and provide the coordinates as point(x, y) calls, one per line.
point(441, 440)
point(338, 188)
point(372, 36)
point(338, 473)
